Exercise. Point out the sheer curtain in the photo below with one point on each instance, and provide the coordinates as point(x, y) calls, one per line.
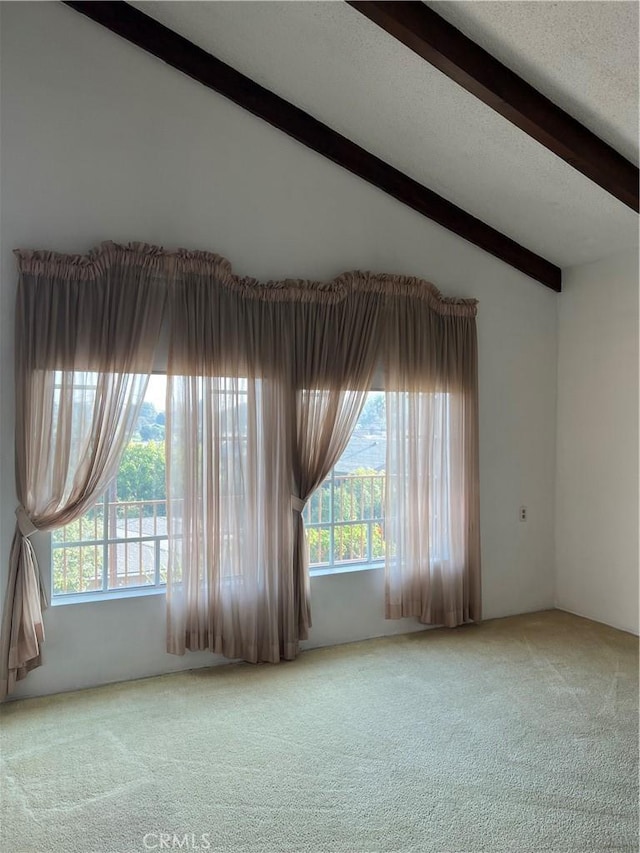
point(86, 328)
point(432, 529)
point(266, 383)
point(230, 585)
point(335, 356)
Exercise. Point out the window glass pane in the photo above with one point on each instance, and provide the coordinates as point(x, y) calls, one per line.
point(77, 568)
point(89, 527)
point(344, 518)
point(122, 541)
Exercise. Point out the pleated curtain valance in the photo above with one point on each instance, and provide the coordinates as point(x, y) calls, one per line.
point(265, 384)
point(157, 260)
point(205, 280)
point(95, 311)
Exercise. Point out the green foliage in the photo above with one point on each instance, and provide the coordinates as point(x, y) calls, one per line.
point(358, 500)
point(77, 569)
point(141, 476)
point(360, 495)
point(373, 415)
point(151, 423)
point(148, 412)
point(351, 543)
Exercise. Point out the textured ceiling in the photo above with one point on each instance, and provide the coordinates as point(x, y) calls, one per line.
point(329, 60)
point(582, 55)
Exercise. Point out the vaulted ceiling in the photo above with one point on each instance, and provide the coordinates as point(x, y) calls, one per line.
point(345, 70)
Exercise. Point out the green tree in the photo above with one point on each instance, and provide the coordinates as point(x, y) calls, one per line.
point(148, 413)
point(350, 543)
point(373, 414)
point(150, 424)
point(141, 476)
point(359, 495)
point(79, 568)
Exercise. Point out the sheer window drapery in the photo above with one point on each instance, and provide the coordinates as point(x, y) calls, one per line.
point(230, 584)
point(432, 568)
point(335, 357)
point(86, 329)
point(265, 384)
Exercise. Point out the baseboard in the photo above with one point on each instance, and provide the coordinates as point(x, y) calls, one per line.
point(627, 630)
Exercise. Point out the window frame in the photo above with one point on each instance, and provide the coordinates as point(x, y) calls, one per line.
point(106, 543)
point(104, 593)
point(159, 587)
point(346, 566)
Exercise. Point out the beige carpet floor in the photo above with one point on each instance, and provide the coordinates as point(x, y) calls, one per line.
point(517, 735)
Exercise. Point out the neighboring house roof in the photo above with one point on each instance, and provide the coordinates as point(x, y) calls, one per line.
point(364, 451)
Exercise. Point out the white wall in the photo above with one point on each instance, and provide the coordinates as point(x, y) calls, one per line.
point(101, 141)
point(597, 446)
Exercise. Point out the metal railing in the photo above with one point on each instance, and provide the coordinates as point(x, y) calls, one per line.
point(344, 520)
point(115, 545)
point(124, 544)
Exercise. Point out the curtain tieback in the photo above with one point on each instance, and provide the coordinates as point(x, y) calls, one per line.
point(297, 504)
point(25, 525)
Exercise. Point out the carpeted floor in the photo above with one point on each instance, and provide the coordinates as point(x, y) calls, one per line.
point(517, 735)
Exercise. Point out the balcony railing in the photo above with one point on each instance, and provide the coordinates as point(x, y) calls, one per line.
point(344, 520)
point(124, 544)
point(115, 545)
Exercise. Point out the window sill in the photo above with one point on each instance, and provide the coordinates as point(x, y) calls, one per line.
point(90, 597)
point(344, 570)
point(140, 592)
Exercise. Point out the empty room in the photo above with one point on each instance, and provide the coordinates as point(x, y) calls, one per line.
point(319, 426)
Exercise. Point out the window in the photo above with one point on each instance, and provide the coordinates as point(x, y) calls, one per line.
point(121, 542)
point(344, 518)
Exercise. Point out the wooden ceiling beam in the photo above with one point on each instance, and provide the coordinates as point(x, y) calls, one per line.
point(180, 53)
point(438, 42)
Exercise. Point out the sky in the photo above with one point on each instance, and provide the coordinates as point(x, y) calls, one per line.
point(156, 390)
